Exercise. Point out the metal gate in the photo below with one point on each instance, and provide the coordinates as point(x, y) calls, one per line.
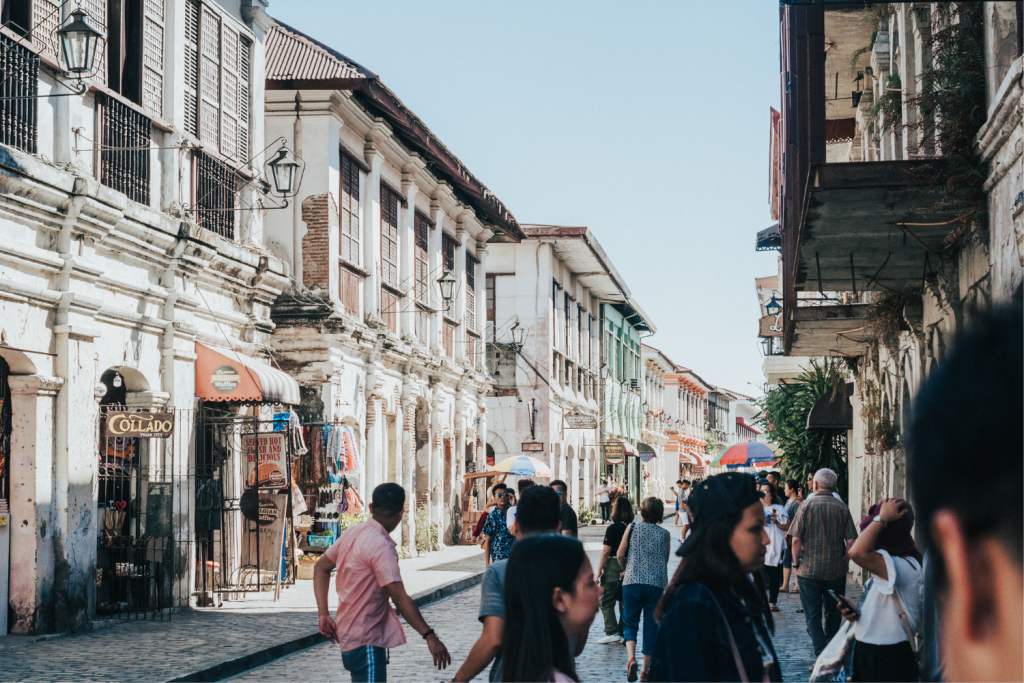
point(142, 511)
point(242, 503)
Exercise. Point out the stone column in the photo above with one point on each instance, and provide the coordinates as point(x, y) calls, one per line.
point(436, 269)
point(436, 465)
point(459, 305)
point(375, 456)
point(452, 503)
point(406, 317)
point(481, 304)
point(370, 205)
point(32, 505)
point(408, 461)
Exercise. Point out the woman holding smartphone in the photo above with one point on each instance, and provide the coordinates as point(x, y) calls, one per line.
point(774, 516)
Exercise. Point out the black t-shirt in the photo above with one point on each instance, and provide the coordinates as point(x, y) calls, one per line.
point(613, 536)
point(569, 521)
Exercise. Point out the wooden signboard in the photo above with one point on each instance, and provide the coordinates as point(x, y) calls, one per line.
point(576, 420)
point(270, 528)
point(771, 325)
point(614, 453)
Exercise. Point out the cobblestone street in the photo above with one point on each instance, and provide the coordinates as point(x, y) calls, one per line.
point(455, 620)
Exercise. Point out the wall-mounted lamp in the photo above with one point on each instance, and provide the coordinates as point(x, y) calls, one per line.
point(604, 371)
point(283, 168)
point(79, 44)
point(773, 306)
point(517, 332)
point(446, 283)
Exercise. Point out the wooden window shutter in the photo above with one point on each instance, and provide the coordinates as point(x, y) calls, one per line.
point(46, 19)
point(192, 67)
point(209, 76)
point(153, 56)
point(229, 93)
point(349, 291)
point(448, 252)
point(388, 237)
point(349, 211)
point(97, 10)
point(389, 309)
point(470, 293)
point(422, 229)
point(244, 85)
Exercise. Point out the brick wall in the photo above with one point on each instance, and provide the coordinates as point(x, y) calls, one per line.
point(321, 217)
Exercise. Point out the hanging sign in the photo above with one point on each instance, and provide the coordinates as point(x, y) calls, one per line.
point(270, 449)
point(139, 425)
point(614, 453)
point(268, 528)
point(576, 420)
point(224, 379)
point(771, 325)
point(533, 447)
point(646, 451)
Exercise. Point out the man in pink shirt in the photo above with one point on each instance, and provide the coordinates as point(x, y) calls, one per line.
point(365, 626)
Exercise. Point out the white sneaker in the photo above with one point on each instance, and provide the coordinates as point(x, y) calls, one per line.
point(608, 640)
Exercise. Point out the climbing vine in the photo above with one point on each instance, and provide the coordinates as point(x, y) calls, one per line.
point(890, 105)
point(885, 315)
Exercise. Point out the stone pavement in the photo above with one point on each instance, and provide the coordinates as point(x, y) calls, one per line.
point(455, 620)
point(191, 641)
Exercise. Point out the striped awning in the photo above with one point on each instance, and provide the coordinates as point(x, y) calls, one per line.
point(226, 375)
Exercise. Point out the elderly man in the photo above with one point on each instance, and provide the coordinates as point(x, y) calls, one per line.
point(822, 532)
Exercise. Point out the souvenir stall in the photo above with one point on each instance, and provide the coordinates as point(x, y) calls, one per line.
point(246, 499)
point(327, 477)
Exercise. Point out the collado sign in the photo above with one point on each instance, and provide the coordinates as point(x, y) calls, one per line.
point(139, 425)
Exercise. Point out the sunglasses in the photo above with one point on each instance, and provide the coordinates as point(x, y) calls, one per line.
point(501, 495)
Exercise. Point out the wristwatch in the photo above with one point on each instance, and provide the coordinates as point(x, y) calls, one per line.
point(878, 518)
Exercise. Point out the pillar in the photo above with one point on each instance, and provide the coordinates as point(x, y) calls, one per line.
point(408, 460)
point(32, 504)
point(436, 465)
point(371, 232)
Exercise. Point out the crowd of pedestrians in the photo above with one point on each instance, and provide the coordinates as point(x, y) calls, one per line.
point(742, 541)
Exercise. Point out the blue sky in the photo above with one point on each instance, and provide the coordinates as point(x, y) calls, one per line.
point(646, 122)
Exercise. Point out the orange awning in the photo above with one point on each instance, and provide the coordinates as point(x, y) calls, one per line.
point(226, 375)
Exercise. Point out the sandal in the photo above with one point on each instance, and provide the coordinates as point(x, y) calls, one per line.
point(774, 608)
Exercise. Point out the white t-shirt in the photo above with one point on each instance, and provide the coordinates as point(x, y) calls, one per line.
point(510, 516)
point(880, 622)
point(776, 536)
point(602, 494)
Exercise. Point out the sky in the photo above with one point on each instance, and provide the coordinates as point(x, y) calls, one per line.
point(645, 121)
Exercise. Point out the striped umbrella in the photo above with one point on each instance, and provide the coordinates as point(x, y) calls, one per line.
point(523, 466)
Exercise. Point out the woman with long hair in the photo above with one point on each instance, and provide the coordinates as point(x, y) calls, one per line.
point(609, 573)
point(551, 598)
point(715, 621)
point(792, 505)
point(643, 553)
point(774, 518)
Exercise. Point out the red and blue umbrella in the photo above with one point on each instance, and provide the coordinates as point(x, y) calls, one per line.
point(747, 454)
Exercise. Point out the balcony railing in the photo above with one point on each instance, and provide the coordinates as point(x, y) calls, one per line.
point(19, 85)
point(124, 155)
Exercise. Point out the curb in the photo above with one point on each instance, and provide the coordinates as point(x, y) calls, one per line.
point(233, 667)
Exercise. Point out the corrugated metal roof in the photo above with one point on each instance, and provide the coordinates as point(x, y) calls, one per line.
point(294, 56)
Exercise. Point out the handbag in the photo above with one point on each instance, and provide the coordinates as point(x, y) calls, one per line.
point(835, 663)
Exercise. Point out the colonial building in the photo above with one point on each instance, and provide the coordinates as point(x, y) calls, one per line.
point(544, 299)
point(660, 467)
point(689, 421)
point(887, 243)
point(388, 241)
point(129, 245)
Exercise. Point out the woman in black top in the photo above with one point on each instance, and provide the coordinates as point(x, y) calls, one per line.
point(609, 572)
point(715, 621)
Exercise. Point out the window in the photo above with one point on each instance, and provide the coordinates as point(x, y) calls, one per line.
point(567, 325)
point(348, 290)
point(135, 50)
point(214, 191)
point(349, 214)
point(217, 77)
point(20, 69)
point(125, 167)
point(421, 258)
point(448, 339)
point(470, 293)
point(388, 237)
point(448, 244)
point(471, 349)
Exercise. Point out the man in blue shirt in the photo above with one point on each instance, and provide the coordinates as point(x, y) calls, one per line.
point(499, 540)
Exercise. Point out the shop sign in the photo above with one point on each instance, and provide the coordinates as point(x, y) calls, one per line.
point(645, 451)
point(533, 447)
point(576, 420)
point(270, 449)
point(139, 425)
point(614, 453)
point(269, 530)
point(771, 325)
point(224, 379)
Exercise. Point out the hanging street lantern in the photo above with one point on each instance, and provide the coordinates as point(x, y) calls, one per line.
point(773, 306)
point(79, 44)
point(517, 332)
point(447, 285)
point(282, 169)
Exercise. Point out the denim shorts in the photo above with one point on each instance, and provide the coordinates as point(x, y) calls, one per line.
point(787, 560)
point(367, 664)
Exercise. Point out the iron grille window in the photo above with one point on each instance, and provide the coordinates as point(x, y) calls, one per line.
point(349, 210)
point(420, 256)
point(388, 237)
point(448, 251)
point(214, 205)
point(124, 159)
point(20, 69)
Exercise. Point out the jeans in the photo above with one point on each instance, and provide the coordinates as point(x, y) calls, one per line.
point(637, 598)
point(367, 664)
point(773, 580)
point(611, 583)
point(606, 511)
point(813, 597)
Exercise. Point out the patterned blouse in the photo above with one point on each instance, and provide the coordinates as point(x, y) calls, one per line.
point(647, 557)
point(497, 528)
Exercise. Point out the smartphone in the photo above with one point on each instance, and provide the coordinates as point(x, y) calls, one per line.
point(843, 599)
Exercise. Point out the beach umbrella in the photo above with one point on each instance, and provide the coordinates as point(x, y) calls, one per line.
point(523, 466)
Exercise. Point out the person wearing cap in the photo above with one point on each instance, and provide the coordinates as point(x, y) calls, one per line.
point(714, 616)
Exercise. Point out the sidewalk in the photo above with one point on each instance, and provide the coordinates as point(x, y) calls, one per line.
point(209, 644)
